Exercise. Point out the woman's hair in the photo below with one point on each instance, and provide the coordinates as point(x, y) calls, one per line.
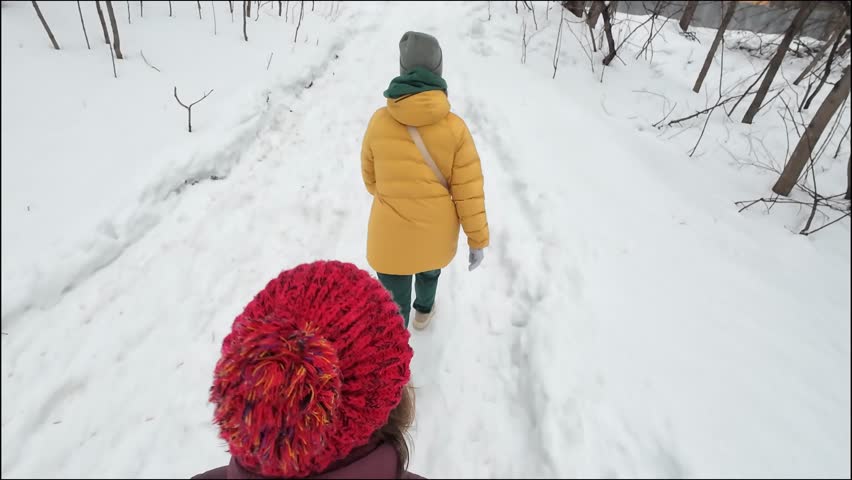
point(395, 431)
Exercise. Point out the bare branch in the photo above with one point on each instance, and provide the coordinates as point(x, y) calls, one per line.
point(146, 61)
point(189, 108)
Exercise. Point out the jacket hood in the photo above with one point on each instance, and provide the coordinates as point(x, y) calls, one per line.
point(420, 109)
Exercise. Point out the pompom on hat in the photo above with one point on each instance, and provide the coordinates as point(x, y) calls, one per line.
point(311, 369)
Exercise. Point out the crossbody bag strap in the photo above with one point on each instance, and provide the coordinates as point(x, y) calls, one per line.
point(427, 157)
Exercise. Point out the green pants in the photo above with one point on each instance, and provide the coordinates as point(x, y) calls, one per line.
point(425, 286)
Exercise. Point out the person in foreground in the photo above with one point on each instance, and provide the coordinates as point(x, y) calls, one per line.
point(312, 381)
point(419, 162)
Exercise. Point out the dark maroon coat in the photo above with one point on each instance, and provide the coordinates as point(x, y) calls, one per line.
point(370, 461)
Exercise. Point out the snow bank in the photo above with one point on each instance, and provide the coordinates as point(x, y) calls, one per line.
point(90, 161)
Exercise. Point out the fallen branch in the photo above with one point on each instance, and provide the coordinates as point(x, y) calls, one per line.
point(146, 61)
point(189, 108)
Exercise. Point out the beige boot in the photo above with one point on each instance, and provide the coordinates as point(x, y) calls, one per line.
point(422, 320)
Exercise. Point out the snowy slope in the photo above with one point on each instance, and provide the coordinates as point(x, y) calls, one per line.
point(627, 321)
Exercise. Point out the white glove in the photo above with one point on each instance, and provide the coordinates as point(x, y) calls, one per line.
point(475, 258)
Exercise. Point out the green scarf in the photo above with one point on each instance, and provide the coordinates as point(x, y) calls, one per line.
point(415, 81)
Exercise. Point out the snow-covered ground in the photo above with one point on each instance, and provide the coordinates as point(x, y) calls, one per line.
point(627, 320)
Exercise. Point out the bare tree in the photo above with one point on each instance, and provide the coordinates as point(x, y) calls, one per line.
point(807, 103)
point(213, 9)
point(103, 22)
point(128, 11)
point(831, 39)
point(198, 2)
point(720, 34)
point(141, 15)
point(189, 108)
point(287, 11)
point(688, 12)
point(810, 137)
point(44, 24)
point(247, 6)
point(116, 40)
point(80, 11)
point(301, 14)
point(774, 64)
point(608, 31)
point(170, 8)
point(245, 14)
point(280, 4)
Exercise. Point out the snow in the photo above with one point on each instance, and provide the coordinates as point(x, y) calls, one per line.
point(627, 321)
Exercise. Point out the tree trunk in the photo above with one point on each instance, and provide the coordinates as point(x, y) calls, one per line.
point(247, 6)
point(128, 11)
point(810, 137)
point(44, 24)
point(213, 9)
point(831, 39)
point(688, 12)
point(594, 13)
point(103, 22)
point(86, 34)
point(141, 15)
point(170, 8)
point(116, 40)
point(608, 30)
point(720, 34)
point(198, 2)
point(245, 15)
point(774, 64)
point(279, 7)
point(573, 6)
point(849, 177)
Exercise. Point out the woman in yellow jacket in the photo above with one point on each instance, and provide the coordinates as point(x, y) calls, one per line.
point(421, 193)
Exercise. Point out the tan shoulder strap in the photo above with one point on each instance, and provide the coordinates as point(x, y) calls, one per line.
point(418, 140)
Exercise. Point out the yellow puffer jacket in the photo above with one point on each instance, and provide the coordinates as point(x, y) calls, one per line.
point(414, 222)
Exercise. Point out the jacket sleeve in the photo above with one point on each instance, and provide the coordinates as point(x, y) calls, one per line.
point(467, 188)
point(368, 173)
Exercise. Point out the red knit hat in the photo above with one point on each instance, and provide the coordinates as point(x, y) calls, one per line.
point(311, 369)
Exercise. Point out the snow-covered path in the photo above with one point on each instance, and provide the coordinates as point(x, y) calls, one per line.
point(584, 346)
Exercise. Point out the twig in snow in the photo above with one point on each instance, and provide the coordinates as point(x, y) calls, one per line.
point(828, 224)
point(189, 108)
point(840, 143)
point(269, 62)
point(146, 61)
point(657, 124)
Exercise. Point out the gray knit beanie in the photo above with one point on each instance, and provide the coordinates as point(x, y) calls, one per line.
point(420, 50)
